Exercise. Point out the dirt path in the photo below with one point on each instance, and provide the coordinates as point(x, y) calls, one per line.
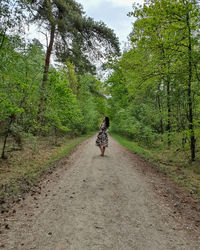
point(96, 203)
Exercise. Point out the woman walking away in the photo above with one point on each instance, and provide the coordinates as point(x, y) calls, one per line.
point(102, 137)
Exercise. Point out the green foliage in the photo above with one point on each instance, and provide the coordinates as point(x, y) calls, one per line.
point(18, 83)
point(73, 104)
point(154, 86)
point(62, 109)
point(92, 102)
point(77, 37)
point(125, 123)
point(36, 97)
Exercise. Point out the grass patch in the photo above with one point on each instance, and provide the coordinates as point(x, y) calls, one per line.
point(175, 164)
point(24, 169)
point(127, 143)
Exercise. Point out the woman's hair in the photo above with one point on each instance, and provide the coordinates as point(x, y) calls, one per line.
point(107, 121)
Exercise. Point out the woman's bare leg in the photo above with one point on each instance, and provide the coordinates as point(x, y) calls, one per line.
point(103, 150)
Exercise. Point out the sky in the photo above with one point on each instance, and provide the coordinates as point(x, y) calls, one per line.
point(113, 13)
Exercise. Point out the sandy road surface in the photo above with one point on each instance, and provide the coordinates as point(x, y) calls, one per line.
point(96, 203)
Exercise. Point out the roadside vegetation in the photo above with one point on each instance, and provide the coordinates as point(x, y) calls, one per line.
point(52, 92)
point(154, 89)
point(50, 95)
point(175, 165)
point(25, 169)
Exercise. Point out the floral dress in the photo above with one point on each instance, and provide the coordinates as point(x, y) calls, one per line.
point(102, 137)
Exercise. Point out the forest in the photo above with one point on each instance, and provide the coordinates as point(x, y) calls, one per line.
point(39, 98)
point(62, 74)
point(155, 83)
point(151, 93)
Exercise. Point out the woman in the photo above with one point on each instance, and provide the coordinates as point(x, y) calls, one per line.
point(102, 137)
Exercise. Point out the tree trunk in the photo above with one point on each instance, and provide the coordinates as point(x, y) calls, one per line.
point(46, 71)
point(167, 81)
point(3, 39)
point(12, 117)
point(168, 113)
point(160, 111)
point(190, 108)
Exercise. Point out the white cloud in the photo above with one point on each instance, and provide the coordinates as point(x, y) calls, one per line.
point(89, 3)
point(93, 3)
point(113, 13)
point(125, 2)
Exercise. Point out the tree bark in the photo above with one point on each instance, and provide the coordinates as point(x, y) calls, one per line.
point(190, 107)
point(160, 111)
point(12, 117)
point(168, 113)
point(46, 71)
point(3, 39)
